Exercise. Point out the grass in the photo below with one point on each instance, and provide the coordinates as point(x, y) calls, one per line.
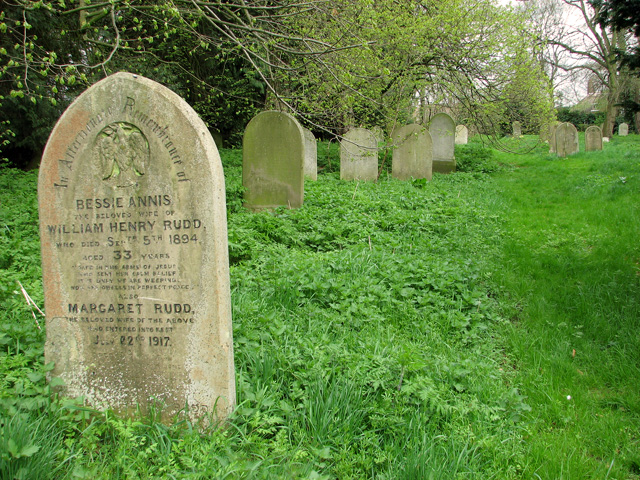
point(571, 265)
point(386, 330)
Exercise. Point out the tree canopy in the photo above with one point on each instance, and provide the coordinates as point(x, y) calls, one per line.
point(334, 64)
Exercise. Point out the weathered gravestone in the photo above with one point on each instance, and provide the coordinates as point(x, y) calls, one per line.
point(412, 153)
point(623, 129)
point(273, 150)
point(592, 139)
point(517, 129)
point(378, 132)
point(552, 136)
point(462, 135)
point(566, 139)
point(310, 155)
point(359, 155)
point(134, 253)
point(442, 129)
point(217, 138)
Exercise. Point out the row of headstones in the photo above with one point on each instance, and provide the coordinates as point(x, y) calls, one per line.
point(278, 153)
point(133, 233)
point(563, 139)
point(623, 130)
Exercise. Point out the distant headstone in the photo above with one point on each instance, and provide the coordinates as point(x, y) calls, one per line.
point(517, 129)
point(273, 161)
point(605, 139)
point(566, 139)
point(592, 139)
point(552, 136)
point(217, 137)
point(412, 153)
point(134, 253)
point(378, 132)
point(442, 129)
point(462, 135)
point(310, 155)
point(359, 155)
point(623, 129)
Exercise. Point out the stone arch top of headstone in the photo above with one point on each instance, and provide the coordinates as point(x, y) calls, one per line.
point(412, 153)
point(462, 135)
point(566, 141)
point(442, 129)
point(359, 155)
point(134, 251)
point(593, 138)
point(623, 129)
point(273, 150)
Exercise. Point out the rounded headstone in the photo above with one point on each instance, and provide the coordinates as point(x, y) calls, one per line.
point(517, 129)
point(623, 129)
point(134, 251)
point(310, 155)
point(359, 155)
point(442, 129)
point(592, 138)
point(412, 153)
point(273, 161)
point(566, 139)
point(462, 135)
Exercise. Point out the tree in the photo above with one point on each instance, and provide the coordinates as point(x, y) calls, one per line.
point(335, 63)
point(592, 48)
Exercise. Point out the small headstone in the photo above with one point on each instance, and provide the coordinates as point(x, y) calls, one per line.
point(605, 139)
point(552, 136)
point(310, 155)
point(442, 129)
point(217, 137)
point(623, 129)
point(273, 161)
point(592, 139)
point(412, 153)
point(359, 155)
point(462, 135)
point(378, 132)
point(517, 129)
point(566, 139)
point(134, 253)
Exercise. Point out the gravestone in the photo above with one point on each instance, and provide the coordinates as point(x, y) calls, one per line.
point(566, 139)
point(359, 155)
point(412, 153)
point(462, 135)
point(605, 139)
point(273, 161)
point(517, 129)
point(217, 138)
point(442, 129)
point(623, 129)
point(378, 132)
point(134, 253)
point(310, 155)
point(592, 139)
point(552, 136)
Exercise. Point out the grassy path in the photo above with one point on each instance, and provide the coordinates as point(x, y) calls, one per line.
point(572, 266)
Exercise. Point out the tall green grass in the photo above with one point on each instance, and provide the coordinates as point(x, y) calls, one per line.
point(571, 269)
point(386, 330)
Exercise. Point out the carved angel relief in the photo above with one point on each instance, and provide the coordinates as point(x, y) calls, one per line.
point(124, 153)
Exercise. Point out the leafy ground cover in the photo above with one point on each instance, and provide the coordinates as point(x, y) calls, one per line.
point(385, 330)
